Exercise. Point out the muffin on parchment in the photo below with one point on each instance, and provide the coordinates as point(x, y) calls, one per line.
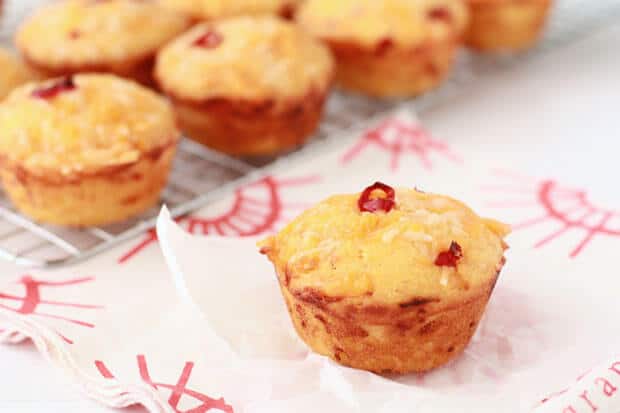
point(217, 9)
point(115, 36)
point(85, 150)
point(246, 85)
point(390, 281)
point(13, 73)
point(390, 48)
point(505, 24)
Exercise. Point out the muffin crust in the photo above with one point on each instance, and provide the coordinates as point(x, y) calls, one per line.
point(13, 73)
point(118, 36)
point(506, 24)
point(256, 59)
point(247, 85)
point(369, 290)
point(99, 152)
point(367, 23)
point(394, 48)
point(217, 9)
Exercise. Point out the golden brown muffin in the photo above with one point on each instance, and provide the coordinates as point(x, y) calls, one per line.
point(390, 48)
point(85, 150)
point(246, 85)
point(217, 9)
point(387, 280)
point(13, 73)
point(505, 24)
point(115, 36)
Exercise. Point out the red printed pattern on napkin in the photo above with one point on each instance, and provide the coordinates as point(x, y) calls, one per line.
point(33, 299)
point(570, 208)
point(178, 389)
point(256, 209)
point(398, 137)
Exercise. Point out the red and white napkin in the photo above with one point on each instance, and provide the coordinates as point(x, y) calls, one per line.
point(205, 330)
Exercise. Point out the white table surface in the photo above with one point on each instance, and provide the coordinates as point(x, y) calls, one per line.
point(578, 88)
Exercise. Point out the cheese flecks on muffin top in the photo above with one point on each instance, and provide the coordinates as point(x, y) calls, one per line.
point(213, 9)
point(371, 22)
point(82, 124)
point(423, 246)
point(255, 58)
point(12, 73)
point(90, 32)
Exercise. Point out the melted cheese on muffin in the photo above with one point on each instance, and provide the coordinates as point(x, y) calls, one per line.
point(212, 9)
point(104, 121)
point(12, 73)
point(251, 58)
point(87, 32)
point(342, 252)
point(369, 22)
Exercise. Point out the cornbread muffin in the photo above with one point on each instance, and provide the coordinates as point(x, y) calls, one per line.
point(115, 36)
point(85, 150)
point(246, 85)
point(505, 24)
point(12, 73)
point(217, 9)
point(390, 48)
point(387, 280)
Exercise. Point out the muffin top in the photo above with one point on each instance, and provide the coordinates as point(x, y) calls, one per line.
point(78, 33)
point(371, 22)
point(12, 73)
point(82, 124)
point(251, 58)
point(214, 9)
point(396, 246)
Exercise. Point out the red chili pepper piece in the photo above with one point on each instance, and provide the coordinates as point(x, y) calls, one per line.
point(384, 46)
point(287, 12)
point(209, 40)
point(440, 14)
point(367, 204)
point(450, 257)
point(63, 85)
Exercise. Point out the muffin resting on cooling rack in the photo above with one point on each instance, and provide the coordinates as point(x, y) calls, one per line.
point(246, 85)
point(210, 9)
point(391, 48)
point(115, 36)
point(13, 73)
point(85, 150)
point(387, 280)
point(506, 24)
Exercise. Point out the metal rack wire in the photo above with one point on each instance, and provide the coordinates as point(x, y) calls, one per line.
point(201, 176)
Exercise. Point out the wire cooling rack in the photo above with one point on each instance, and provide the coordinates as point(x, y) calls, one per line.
point(201, 176)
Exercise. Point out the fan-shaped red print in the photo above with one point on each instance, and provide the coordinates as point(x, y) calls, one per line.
point(570, 208)
point(255, 209)
point(398, 137)
point(178, 389)
point(32, 301)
